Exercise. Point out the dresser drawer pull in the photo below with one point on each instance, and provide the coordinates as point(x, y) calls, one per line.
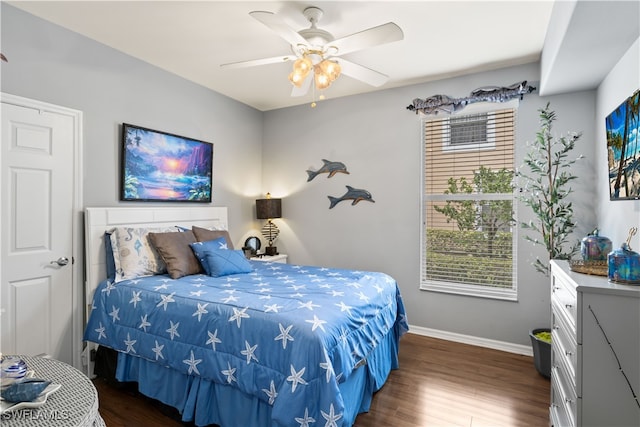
point(568, 353)
point(556, 327)
point(568, 305)
point(566, 399)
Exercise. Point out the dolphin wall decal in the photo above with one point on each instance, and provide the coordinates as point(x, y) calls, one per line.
point(328, 167)
point(355, 194)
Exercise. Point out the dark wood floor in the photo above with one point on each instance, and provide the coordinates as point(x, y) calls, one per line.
point(439, 383)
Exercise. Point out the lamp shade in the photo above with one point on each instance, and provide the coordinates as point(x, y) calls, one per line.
point(268, 208)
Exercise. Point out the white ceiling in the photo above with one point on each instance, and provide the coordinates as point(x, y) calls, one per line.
point(191, 39)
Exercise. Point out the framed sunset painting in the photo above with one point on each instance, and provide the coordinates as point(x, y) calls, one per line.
point(623, 150)
point(162, 167)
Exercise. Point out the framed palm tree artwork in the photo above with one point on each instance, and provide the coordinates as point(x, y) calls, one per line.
point(623, 150)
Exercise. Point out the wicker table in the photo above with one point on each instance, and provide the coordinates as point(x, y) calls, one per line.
point(74, 404)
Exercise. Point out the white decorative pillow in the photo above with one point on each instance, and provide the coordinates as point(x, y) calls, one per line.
point(133, 253)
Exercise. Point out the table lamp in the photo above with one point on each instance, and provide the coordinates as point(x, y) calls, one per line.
point(269, 209)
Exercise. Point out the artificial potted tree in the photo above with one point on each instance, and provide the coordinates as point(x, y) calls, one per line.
point(546, 180)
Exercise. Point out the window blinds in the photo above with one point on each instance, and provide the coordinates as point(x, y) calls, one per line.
point(469, 202)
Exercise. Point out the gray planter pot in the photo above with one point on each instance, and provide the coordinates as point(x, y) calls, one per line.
point(541, 353)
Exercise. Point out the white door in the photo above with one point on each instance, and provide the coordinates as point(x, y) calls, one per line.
point(37, 191)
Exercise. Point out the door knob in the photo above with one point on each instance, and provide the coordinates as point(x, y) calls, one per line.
point(62, 261)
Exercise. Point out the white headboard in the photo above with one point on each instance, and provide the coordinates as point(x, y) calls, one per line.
point(99, 220)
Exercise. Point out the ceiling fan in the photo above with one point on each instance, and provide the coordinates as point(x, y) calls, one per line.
point(315, 51)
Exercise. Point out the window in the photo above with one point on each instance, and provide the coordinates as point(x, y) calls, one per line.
point(476, 131)
point(469, 218)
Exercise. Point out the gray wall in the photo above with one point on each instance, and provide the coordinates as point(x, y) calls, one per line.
point(616, 217)
point(380, 142)
point(52, 64)
point(378, 139)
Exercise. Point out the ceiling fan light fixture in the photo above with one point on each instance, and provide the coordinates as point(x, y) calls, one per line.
point(302, 66)
point(330, 68)
point(322, 80)
point(296, 78)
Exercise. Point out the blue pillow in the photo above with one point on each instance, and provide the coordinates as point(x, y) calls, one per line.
point(226, 262)
point(200, 249)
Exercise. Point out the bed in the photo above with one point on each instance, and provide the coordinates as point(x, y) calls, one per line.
point(259, 344)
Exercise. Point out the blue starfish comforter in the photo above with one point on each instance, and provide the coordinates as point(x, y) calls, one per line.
point(286, 334)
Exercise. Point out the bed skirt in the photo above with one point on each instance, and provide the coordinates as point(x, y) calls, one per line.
point(205, 402)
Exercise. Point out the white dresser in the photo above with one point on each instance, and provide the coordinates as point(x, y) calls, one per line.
point(593, 383)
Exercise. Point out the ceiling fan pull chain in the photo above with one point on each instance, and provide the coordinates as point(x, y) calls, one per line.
point(313, 96)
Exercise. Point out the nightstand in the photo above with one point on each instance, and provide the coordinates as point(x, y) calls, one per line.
point(280, 258)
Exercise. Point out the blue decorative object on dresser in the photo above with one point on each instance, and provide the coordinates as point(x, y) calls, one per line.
point(624, 264)
point(595, 247)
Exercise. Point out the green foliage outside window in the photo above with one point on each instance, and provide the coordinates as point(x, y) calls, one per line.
point(487, 262)
point(490, 216)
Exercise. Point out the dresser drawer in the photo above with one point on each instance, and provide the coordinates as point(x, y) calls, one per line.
point(558, 413)
point(565, 298)
point(563, 339)
point(563, 396)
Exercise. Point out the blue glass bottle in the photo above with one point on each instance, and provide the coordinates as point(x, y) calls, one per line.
point(624, 265)
point(595, 247)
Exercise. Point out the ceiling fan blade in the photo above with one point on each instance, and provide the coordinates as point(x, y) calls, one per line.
point(276, 24)
point(364, 74)
point(375, 36)
point(304, 87)
point(256, 62)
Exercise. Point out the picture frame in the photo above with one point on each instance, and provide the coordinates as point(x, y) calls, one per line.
point(623, 150)
point(159, 166)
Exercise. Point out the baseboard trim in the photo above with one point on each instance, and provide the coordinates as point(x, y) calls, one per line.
point(469, 339)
